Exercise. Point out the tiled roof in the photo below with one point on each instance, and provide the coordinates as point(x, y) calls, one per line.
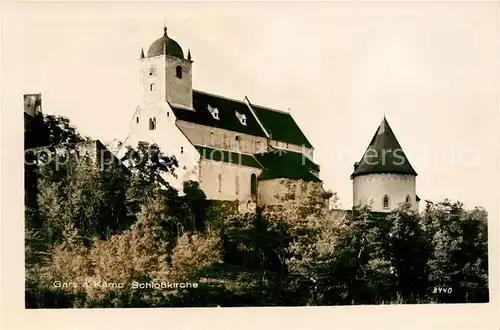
point(281, 126)
point(284, 164)
point(228, 156)
point(298, 157)
point(383, 155)
point(227, 109)
point(276, 164)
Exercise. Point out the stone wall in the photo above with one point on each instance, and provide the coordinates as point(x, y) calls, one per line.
point(273, 192)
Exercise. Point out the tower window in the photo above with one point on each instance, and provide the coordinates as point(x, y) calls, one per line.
point(136, 119)
point(152, 124)
point(152, 71)
point(152, 87)
point(407, 198)
point(178, 72)
point(237, 137)
point(182, 150)
point(386, 202)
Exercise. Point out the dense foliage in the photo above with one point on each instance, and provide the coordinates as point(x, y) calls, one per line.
point(112, 227)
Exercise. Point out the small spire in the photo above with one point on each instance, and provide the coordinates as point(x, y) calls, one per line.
point(189, 54)
point(165, 31)
point(142, 53)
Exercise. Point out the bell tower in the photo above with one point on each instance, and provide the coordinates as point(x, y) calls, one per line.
point(166, 76)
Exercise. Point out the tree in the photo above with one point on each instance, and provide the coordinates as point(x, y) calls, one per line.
point(459, 258)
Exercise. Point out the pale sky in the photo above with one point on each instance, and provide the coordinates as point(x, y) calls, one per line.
point(432, 68)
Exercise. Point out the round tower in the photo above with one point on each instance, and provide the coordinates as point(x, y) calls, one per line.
point(384, 178)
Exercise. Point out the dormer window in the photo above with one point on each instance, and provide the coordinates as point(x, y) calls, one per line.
point(178, 72)
point(214, 112)
point(242, 118)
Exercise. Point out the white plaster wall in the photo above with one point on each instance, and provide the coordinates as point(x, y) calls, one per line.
point(167, 86)
point(222, 139)
point(209, 180)
point(168, 137)
point(293, 147)
point(372, 188)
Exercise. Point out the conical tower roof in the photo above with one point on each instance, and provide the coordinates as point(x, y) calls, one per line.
point(383, 155)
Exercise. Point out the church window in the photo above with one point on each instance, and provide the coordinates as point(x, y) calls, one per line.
point(152, 87)
point(253, 184)
point(407, 198)
point(386, 202)
point(168, 113)
point(237, 137)
point(152, 71)
point(237, 185)
point(152, 124)
point(178, 72)
point(136, 119)
point(219, 182)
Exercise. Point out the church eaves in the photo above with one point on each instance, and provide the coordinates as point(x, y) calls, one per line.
point(383, 155)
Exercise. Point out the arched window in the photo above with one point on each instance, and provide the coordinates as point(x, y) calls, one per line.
point(237, 185)
point(386, 202)
point(237, 137)
point(178, 72)
point(152, 124)
point(253, 184)
point(408, 199)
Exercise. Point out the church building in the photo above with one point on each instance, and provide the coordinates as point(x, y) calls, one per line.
point(235, 149)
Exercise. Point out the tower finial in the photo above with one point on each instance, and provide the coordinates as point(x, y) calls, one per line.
point(189, 54)
point(164, 30)
point(142, 53)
